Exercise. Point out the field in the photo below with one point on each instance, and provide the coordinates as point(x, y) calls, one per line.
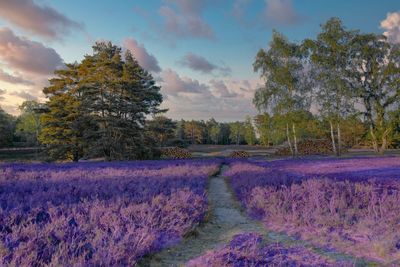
point(351, 205)
point(202, 212)
point(98, 213)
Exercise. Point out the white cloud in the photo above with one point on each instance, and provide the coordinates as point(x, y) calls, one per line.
point(391, 25)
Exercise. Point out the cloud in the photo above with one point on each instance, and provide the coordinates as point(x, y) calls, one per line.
point(221, 89)
point(173, 84)
point(2, 93)
point(24, 95)
point(225, 100)
point(185, 19)
point(391, 25)
point(24, 55)
point(5, 77)
point(281, 12)
point(146, 60)
point(201, 64)
point(197, 63)
point(41, 20)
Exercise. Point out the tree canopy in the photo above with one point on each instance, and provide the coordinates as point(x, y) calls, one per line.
point(98, 107)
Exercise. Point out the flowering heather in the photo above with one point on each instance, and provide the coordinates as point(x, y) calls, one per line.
point(249, 249)
point(352, 205)
point(97, 214)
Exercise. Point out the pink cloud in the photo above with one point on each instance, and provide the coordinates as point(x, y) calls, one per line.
point(23, 55)
point(145, 59)
point(13, 79)
point(41, 20)
point(173, 84)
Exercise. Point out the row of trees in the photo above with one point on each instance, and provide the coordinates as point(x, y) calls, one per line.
point(341, 74)
point(213, 132)
point(263, 129)
point(23, 130)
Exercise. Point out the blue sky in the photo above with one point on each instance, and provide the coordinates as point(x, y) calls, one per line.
point(201, 52)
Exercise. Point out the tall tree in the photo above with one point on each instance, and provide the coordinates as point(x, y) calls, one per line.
point(249, 132)
point(63, 126)
point(236, 132)
point(99, 106)
point(263, 123)
point(329, 61)
point(286, 88)
point(28, 122)
point(374, 74)
point(7, 125)
point(193, 131)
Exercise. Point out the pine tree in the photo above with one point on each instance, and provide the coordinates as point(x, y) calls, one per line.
point(98, 107)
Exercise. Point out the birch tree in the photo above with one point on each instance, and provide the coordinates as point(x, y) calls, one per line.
point(329, 59)
point(285, 90)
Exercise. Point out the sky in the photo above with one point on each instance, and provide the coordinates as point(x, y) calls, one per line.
point(199, 51)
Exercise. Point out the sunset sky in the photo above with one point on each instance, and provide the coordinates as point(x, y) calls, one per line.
point(200, 52)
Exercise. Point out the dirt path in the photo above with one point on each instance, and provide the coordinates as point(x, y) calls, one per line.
point(226, 220)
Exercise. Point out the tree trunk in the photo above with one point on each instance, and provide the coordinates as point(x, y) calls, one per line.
point(339, 146)
point(296, 152)
point(288, 139)
point(333, 138)
point(384, 141)
point(374, 140)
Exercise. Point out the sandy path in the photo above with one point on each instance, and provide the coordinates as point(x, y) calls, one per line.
point(225, 220)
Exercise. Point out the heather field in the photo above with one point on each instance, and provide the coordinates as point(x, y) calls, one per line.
point(297, 212)
point(350, 205)
point(98, 214)
point(250, 249)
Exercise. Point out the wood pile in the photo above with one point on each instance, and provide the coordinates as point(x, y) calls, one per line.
point(239, 154)
point(308, 147)
point(175, 153)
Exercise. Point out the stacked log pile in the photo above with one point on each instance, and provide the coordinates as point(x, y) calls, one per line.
point(308, 147)
point(239, 154)
point(175, 153)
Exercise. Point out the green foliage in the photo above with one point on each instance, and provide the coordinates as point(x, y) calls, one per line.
point(340, 67)
point(282, 69)
point(374, 74)
point(236, 132)
point(28, 123)
point(194, 131)
point(7, 126)
point(98, 107)
point(263, 123)
point(249, 132)
point(161, 129)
